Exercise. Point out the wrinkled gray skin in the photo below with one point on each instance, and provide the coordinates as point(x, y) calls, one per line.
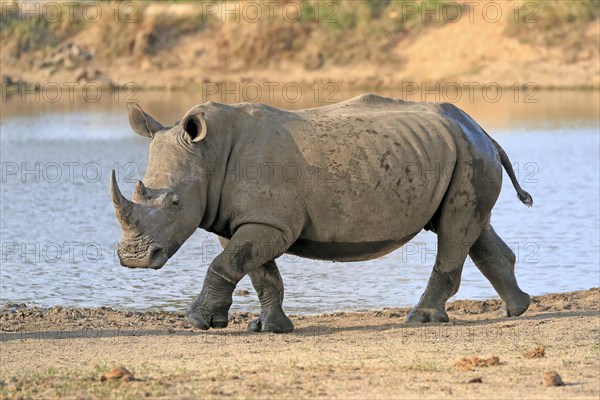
point(346, 182)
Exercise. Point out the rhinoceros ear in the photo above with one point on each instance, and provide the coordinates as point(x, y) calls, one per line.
point(142, 123)
point(194, 126)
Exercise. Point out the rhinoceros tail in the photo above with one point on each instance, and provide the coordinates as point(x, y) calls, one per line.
point(521, 194)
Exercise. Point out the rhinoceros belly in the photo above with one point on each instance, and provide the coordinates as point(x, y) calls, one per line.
point(345, 251)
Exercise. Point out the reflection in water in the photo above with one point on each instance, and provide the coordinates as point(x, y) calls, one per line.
point(498, 110)
point(58, 225)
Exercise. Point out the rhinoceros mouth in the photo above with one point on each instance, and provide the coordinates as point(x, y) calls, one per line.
point(142, 254)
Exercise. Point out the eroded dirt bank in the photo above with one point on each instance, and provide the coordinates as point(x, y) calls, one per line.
point(351, 43)
point(61, 352)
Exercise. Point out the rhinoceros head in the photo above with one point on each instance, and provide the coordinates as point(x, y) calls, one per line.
point(166, 208)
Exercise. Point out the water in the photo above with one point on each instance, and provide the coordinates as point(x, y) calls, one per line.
point(58, 226)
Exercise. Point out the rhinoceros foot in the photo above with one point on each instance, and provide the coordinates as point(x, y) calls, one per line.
point(427, 315)
point(517, 305)
point(279, 323)
point(207, 320)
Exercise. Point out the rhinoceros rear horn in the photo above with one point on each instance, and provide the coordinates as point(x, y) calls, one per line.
point(194, 126)
point(124, 208)
point(141, 123)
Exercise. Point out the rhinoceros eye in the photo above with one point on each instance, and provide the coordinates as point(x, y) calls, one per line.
point(169, 199)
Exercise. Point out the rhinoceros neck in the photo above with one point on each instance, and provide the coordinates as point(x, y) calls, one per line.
point(212, 192)
point(216, 156)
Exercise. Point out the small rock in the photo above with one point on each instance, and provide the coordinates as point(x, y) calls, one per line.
point(80, 74)
point(475, 380)
point(469, 363)
point(13, 307)
point(314, 60)
point(69, 64)
point(552, 378)
point(118, 373)
point(75, 51)
point(55, 310)
point(538, 352)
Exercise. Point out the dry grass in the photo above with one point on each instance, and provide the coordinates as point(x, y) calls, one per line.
point(353, 44)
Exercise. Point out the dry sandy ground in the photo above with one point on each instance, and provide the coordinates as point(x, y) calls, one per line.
point(62, 353)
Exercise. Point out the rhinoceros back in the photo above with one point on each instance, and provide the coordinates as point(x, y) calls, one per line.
point(380, 170)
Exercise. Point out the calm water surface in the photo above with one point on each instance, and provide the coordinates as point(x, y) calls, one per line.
point(58, 226)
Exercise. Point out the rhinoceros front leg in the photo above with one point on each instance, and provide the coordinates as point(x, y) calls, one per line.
point(251, 246)
point(268, 284)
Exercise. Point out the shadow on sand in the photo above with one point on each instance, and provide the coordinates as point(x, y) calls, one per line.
point(307, 331)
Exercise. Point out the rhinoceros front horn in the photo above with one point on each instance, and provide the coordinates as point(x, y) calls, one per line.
point(124, 208)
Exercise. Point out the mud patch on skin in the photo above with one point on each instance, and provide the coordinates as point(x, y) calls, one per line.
point(241, 256)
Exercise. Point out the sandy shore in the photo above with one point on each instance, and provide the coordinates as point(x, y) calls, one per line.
point(58, 353)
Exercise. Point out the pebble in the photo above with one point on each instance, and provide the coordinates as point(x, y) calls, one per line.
point(118, 373)
point(537, 352)
point(552, 378)
point(469, 363)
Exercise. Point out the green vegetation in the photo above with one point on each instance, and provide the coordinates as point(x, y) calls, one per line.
point(29, 32)
point(549, 22)
point(29, 35)
point(422, 365)
point(556, 14)
point(379, 17)
point(376, 18)
point(323, 33)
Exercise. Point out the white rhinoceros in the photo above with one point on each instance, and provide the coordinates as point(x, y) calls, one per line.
point(346, 182)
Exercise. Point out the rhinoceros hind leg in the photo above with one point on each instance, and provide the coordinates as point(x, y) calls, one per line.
point(443, 282)
point(268, 284)
point(464, 212)
point(275, 325)
point(496, 261)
